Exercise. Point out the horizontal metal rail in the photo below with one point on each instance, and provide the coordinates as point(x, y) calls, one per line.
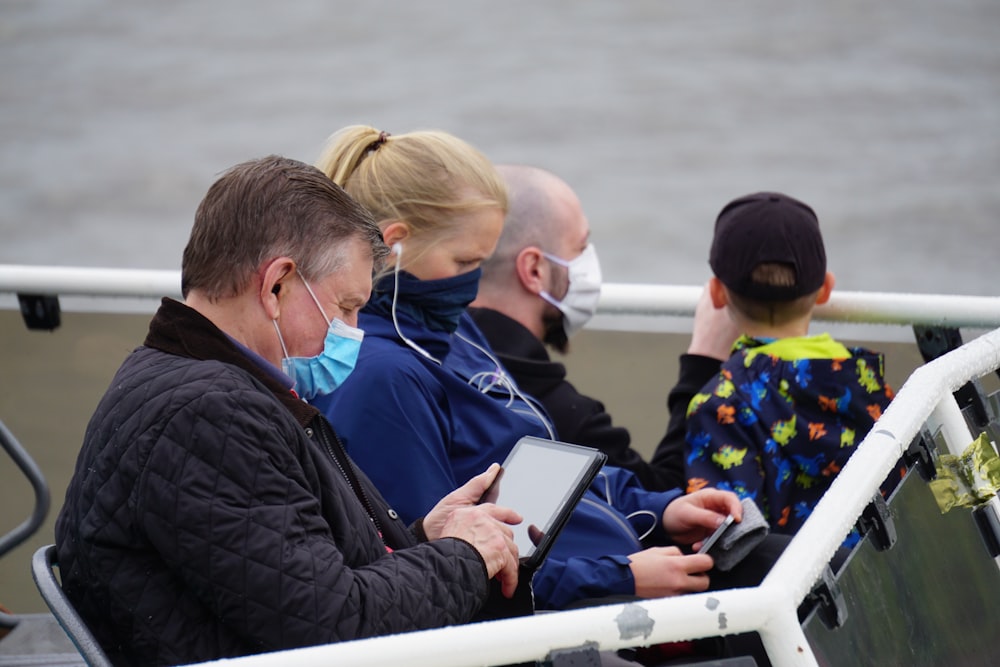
point(616, 298)
point(769, 609)
point(83, 281)
point(844, 306)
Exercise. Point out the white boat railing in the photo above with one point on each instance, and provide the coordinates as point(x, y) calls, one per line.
point(769, 609)
point(617, 299)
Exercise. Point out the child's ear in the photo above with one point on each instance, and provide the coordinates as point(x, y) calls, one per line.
point(718, 292)
point(824, 292)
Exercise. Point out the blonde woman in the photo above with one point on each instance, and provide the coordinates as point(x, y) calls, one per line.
point(417, 426)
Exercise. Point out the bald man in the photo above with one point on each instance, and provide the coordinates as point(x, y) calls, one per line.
point(539, 288)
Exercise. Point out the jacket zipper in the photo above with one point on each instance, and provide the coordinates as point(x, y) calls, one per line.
point(352, 481)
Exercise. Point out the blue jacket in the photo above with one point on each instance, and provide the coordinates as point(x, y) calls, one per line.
point(419, 430)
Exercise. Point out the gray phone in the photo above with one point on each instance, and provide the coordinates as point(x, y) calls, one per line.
point(714, 537)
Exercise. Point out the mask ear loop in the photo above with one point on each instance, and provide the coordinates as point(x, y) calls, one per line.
point(558, 260)
point(277, 329)
point(309, 289)
point(284, 350)
point(398, 249)
point(286, 368)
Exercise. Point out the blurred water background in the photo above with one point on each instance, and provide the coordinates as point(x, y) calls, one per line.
point(116, 116)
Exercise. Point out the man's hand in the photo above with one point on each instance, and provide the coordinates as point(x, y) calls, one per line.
point(467, 495)
point(665, 571)
point(714, 331)
point(485, 527)
point(691, 518)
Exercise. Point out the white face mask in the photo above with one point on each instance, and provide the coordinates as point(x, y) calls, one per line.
point(580, 302)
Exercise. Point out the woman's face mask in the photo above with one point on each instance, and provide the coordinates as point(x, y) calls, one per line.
point(438, 304)
point(580, 302)
point(322, 374)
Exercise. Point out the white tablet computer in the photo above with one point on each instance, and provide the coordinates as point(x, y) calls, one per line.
point(543, 480)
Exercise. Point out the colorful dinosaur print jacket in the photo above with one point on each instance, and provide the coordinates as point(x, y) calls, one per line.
point(780, 421)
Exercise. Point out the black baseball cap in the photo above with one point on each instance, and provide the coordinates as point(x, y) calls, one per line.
point(768, 227)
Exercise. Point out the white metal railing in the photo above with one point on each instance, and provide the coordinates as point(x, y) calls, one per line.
point(770, 609)
point(616, 298)
point(844, 306)
point(82, 281)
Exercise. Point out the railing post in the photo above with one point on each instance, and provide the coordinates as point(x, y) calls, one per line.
point(948, 417)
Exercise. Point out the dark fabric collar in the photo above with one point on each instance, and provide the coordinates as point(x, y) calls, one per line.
point(508, 336)
point(376, 320)
point(183, 331)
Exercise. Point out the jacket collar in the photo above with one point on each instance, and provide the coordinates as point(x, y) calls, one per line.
point(509, 337)
point(821, 346)
point(183, 331)
point(376, 320)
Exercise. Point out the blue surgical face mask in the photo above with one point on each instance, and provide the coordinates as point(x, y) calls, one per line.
point(322, 374)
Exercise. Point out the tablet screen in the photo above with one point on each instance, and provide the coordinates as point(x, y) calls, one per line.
point(543, 480)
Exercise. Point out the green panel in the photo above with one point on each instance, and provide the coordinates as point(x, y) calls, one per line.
point(932, 599)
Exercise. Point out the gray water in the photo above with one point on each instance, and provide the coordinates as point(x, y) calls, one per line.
point(116, 116)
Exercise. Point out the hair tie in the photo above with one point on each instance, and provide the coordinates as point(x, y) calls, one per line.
point(382, 137)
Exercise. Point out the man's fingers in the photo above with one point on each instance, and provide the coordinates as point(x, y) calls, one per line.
point(508, 573)
point(502, 514)
point(482, 481)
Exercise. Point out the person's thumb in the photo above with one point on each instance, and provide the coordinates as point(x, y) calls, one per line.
point(482, 481)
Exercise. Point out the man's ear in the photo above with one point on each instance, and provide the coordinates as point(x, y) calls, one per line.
point(824, 292)
point(529, 270)
point(718, 292)
point(274, 278)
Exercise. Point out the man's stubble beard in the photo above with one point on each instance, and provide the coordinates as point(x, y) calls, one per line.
point(555, 333)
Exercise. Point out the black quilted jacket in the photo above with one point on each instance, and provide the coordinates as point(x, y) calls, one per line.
point(212, 514)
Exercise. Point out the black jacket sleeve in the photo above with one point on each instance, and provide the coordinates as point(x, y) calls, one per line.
point(238, 519)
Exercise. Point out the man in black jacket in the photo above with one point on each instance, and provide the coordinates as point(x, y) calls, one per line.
point(213, 513)
point(539, 287)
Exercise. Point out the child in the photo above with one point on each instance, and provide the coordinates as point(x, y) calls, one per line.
point(787, 409)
